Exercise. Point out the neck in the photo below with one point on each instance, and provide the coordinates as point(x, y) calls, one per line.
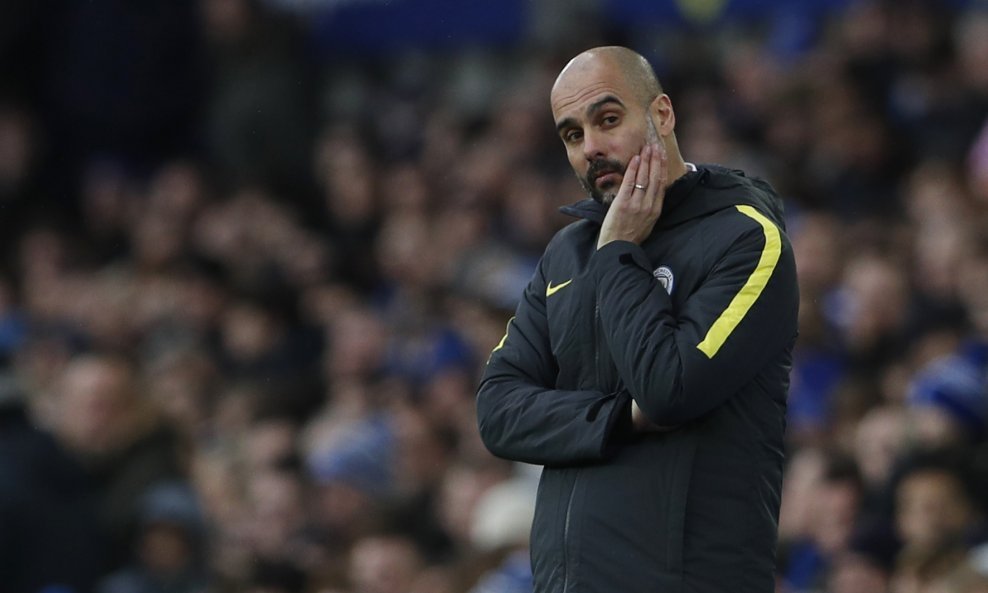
point(678, 168)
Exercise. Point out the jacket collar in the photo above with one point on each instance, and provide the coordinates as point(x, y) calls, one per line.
point(672, 213)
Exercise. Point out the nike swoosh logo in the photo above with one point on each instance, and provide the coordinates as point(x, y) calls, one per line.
point(551, 290)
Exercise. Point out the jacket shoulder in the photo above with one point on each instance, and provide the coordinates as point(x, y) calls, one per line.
point(742, 216)
point(744, 223)
point(574, 233)
point(737, 187)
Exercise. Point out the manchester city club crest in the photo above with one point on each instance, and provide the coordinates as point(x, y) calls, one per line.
point(665, 277)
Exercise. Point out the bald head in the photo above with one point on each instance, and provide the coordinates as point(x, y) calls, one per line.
point(631, 66)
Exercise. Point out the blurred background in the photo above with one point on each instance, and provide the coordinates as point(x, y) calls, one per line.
point(254, 254)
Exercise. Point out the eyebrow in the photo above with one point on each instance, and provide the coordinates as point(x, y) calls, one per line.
point(591, 110)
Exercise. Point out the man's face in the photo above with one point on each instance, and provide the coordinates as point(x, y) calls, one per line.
point(602, 125)
point(931, 507)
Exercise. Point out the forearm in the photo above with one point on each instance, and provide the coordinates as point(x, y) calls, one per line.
point(522, 422)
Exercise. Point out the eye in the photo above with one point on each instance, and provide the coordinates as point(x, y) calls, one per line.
point(572, 136)
point(610, 120)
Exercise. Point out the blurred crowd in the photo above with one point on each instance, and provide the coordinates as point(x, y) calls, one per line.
point(247, 288)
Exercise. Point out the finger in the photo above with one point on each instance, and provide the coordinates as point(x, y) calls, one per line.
point(628, 182)
point(641, 179)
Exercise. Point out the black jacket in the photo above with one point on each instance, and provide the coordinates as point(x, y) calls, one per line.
point(49, 531)
point(697, 325)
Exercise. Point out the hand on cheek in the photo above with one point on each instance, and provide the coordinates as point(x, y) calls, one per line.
point(638, 203)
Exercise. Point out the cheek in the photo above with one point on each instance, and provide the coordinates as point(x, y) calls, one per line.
point(632, 147)
point(578, 162)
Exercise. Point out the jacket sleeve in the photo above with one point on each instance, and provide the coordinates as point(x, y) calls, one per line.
point(680, 365)
point(520, 414)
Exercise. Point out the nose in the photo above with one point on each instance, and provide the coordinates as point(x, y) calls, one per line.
point(593, 146)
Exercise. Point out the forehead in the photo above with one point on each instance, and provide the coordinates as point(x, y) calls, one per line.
point(580, 85)
point(930, 481)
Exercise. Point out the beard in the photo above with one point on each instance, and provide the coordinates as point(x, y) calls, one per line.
point(597, 168)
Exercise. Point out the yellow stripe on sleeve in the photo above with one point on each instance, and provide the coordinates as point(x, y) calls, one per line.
point(503, 338)
point(752, 289)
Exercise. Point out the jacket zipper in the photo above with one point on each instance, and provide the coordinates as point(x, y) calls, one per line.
point(569, 510)
point(596, 345)
point(576, 478)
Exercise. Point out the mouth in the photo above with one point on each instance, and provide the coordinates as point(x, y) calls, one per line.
point(602, 178)
point(607, 179)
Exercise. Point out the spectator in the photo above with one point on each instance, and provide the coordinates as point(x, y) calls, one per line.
point(105, 422)
point(49, 530)
point(866, 565)
point(934, 508)
point(170, 546)
point(829, 523)
point(383, 564)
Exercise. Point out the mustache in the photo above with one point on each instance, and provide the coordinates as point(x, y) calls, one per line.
point(602, 167)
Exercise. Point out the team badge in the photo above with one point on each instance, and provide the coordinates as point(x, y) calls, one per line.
point(665, 278)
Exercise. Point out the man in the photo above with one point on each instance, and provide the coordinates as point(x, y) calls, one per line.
point(49, 533)
point(648, 361)
point(105, 422)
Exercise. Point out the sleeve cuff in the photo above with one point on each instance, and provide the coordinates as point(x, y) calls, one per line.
point(615, 254)
point(619, 426)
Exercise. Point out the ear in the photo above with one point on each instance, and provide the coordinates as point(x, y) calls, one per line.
point(663, 115)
